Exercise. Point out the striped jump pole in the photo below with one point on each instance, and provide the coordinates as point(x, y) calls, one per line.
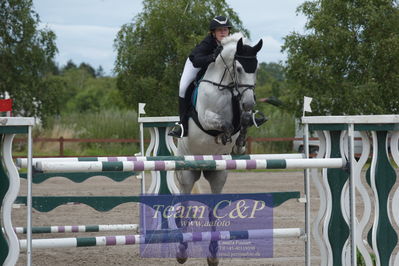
point(78, 228)
point(22, 162)
point(163, 238)
point(126, 166)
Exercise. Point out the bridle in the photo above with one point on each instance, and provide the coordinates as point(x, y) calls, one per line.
point(234, 85)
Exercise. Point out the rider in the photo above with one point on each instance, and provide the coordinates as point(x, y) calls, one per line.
point(195, 67)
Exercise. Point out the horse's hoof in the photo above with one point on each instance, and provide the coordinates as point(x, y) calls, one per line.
point(181, 254)
point(212, 261)
point(239, 150)
point(240, 142)
point(181, 260)
point(226, 139)
point(181, 257)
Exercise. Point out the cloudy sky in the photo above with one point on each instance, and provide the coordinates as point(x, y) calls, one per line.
point(86, 29)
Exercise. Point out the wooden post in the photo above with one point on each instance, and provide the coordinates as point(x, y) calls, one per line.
point(249, 145)
point(61, 146)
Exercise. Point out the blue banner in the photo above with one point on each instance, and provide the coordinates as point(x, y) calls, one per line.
point(198, 226)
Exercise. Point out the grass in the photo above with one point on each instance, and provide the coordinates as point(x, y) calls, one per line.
point(280, 124)
point(122, 124)
point(106, 124)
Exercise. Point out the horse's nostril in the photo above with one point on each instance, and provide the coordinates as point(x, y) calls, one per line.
point(247, 106)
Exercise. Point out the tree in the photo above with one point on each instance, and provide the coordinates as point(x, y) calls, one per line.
point(270, 80)
point(69, 65)
point(152, 49)
point(88, 68)
point(98, 94)
point(100, 72)
point(26, 57)
point(348, 58)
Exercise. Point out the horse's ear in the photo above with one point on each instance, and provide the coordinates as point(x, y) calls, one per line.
point(239, 45)
point(258, 46)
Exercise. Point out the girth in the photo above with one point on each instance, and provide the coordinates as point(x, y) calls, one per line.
point(236, 118)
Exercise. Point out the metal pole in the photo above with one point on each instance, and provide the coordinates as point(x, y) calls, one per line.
point(142, 154)
point(307, 197)
point(142, 174)
point(29, 200)
point(352, 199)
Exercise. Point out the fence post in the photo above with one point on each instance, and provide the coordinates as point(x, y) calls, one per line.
point(249, 145)
point(61, 146)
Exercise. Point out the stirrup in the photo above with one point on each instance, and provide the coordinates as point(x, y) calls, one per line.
point(258, 121)
point(175, 133)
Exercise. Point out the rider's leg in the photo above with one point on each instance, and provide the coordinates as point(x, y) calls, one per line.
point(259, 119)
point(187, 77)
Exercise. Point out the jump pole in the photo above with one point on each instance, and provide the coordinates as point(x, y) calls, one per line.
point(22, 162)
point(163, 238)
point(78, 228)
point(126, 166)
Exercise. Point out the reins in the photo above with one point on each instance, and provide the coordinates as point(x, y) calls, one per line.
point(233, 85)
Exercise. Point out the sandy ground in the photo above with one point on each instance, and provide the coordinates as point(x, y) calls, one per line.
point(286, 251)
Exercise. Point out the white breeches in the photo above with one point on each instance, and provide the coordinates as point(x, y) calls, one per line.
point(188, 76)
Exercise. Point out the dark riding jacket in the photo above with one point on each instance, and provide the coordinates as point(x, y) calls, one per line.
point(202, 55)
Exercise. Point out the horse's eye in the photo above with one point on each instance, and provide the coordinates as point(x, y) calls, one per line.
point(239, 70)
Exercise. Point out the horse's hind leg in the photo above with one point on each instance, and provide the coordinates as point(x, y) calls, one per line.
point(212, 258)
point(186, 180)
point(216, 180)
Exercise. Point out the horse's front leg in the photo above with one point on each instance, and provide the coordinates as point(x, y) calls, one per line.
point(225, 137)
point(246, 119)
point(214, 121)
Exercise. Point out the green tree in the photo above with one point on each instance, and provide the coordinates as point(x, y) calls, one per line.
point(100, 72)
point(69, 65)
point(270, 80)
point(88, 68)
point(97, 95)
point(26, 57)
point(152, 49)
point(79, 90)
point(347, 59)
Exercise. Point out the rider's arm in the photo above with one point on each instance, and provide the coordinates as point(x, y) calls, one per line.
point(202, 55)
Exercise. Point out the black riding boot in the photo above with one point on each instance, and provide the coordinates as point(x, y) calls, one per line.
point(259, 120)
point(183, 114)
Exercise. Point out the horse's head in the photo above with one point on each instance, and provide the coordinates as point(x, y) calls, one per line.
point(239, 59)
point(245, 66)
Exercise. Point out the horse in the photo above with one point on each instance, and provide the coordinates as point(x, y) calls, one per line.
point(223, 111)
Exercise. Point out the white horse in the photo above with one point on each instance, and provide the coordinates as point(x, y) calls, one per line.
point(225, 101)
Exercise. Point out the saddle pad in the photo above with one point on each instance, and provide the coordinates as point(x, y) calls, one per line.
point(194, 96)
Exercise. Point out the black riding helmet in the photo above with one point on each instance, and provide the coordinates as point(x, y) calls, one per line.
point(218, 22)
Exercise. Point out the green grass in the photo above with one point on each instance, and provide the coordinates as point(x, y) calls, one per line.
point(280, 125)
point(106, 124)
point(122, 124)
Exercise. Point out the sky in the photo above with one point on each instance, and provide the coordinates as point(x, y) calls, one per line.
point(86, 29)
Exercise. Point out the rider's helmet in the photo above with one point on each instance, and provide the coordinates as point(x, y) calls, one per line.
point(218, 22)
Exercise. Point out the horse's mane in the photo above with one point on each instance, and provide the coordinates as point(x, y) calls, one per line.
point(229, 44)
point(233, 38)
